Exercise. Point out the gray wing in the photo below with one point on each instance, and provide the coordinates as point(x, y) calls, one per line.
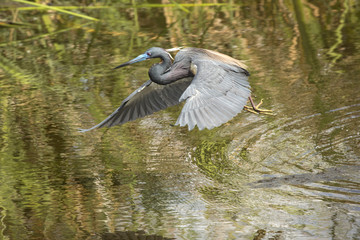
point(217, 93)
point(145, 100)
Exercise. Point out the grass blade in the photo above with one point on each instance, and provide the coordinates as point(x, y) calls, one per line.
point(57, 9)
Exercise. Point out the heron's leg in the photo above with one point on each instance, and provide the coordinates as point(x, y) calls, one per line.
point(255, 108)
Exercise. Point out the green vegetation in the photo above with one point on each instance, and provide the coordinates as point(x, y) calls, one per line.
point(56, 77)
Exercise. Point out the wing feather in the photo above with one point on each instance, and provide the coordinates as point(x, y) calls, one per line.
point(145, 100)
point(218, 92)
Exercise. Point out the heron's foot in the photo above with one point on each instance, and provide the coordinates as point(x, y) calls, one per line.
point(257, 110)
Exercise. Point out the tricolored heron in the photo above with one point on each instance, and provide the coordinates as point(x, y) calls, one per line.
point(214, 86)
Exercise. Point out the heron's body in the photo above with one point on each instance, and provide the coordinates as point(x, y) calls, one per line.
point(214, 86)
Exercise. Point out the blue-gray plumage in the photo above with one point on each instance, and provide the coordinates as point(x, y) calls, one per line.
point(214, 86)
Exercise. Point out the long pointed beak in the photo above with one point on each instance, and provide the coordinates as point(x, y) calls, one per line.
point(139, 58)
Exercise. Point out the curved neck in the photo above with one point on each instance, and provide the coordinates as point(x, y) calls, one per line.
point(158, 69)
point(158, 75)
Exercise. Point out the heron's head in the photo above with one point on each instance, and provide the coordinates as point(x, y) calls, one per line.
point(154, 52)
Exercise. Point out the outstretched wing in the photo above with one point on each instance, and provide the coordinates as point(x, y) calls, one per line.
point(218, 92)
point(145, 100)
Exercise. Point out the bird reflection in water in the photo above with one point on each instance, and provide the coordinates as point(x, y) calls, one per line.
point(214, 86)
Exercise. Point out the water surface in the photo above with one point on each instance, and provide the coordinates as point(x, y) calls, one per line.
point(290, 176)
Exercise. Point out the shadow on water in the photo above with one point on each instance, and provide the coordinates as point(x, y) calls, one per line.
point(345, 173)
point(292, 176)
point(131, 236)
